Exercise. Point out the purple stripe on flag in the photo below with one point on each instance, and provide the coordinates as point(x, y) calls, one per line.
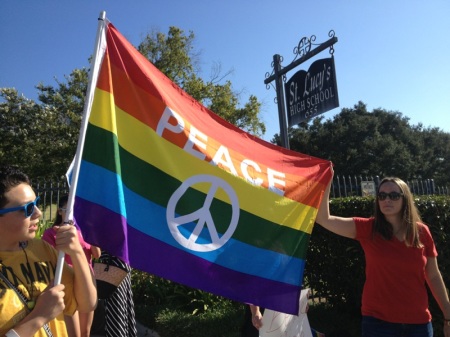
point(109, 231)
point(102, 228)
point(159, 258)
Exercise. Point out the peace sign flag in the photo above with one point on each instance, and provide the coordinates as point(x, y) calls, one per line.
point(176, 191)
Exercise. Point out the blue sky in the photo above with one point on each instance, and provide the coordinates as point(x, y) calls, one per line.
point(393, 55)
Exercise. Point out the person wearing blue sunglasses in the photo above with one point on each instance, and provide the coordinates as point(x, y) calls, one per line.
point(400, 261)
point(30, 304)
point(28, 208)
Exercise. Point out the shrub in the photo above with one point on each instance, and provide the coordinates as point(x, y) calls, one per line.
point(171, 308)
point(223, 320)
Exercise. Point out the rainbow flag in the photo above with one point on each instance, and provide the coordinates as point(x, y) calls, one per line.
point(176, 191)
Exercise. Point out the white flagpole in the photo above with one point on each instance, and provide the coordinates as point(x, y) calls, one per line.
point(99, 51)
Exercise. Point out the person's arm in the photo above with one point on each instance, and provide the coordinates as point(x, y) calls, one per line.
point(256, 316)
point(73, 324)
point(96, 252)
point(338, 225)
point(437, 287)
point(49, 304)
point(84, 282)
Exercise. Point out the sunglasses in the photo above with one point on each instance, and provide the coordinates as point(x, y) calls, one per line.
point(27, 208)
point(392, 195)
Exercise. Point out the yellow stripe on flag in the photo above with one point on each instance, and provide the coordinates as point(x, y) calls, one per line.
point(142, 141)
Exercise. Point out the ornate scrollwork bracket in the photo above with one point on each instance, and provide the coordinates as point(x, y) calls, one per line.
point(305, 49)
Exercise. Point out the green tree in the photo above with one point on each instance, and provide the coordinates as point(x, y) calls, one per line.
point(19, 129)
point(175, 57)
point(172, 54)
point(435, 155)
point(42, 138)
point(377, 143)
point(67, 101)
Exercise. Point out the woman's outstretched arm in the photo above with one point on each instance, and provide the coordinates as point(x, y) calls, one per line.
point(338, 225)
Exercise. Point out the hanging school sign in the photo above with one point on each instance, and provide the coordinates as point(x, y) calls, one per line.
point(313, 92)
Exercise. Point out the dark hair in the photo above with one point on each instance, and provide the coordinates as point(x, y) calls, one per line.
point(62, 201)
point(10, 177)
point(410, 216)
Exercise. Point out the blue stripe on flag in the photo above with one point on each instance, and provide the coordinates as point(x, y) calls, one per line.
point(234, 254)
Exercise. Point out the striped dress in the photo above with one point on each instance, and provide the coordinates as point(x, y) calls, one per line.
point(119, 308)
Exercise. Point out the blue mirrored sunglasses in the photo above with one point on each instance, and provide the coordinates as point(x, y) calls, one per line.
point(27, 208)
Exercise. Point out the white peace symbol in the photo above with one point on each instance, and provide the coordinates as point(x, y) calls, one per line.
point(202, 215)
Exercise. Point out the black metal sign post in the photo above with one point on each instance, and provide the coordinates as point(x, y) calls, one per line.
point(304, 52)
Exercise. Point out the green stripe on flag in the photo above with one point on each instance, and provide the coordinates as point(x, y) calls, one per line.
point(158, 186)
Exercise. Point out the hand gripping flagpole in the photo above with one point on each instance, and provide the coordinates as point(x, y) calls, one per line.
point(99, 51)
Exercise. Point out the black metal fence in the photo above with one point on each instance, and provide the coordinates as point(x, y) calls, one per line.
point(346, 186)
point(343, 186)
point(50, 192)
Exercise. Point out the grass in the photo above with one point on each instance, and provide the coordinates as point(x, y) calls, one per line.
point(225, 320)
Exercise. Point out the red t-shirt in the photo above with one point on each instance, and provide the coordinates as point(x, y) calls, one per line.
point(395, 289)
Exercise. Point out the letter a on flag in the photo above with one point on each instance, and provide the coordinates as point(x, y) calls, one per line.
point(175, 191)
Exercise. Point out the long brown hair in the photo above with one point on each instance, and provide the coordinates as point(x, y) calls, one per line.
point(410, 215)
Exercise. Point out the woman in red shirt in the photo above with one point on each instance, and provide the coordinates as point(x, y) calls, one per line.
point(400, 260)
